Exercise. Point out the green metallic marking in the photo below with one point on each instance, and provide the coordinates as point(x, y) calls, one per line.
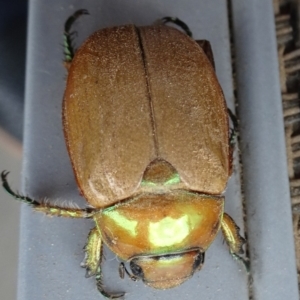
point(129, 225)
point(173, 180)
point(68, 47)
point(63, 212)
point(169, 231)
point(195, 220)
point(149, 183)
point(93, 250)
point(72, 213)
point(170, 261)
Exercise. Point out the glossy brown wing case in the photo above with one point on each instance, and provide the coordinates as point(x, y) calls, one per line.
point(136, 94)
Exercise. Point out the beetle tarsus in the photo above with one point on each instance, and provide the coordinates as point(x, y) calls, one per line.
point(244, 261)
point(179, 23)
point(68, 40)
point(43, 206)
point(234, 130)
point(104, 293)
point(17, 196)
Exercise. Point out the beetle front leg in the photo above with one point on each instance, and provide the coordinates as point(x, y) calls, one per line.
point(92, 262)
point(233, 239)
point(46, 207)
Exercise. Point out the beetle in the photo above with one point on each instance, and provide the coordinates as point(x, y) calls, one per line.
point(147, 131)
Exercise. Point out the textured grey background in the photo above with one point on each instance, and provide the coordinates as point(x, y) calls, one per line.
point(263, 152)
point(13, 15)
point(10, 159)
point(52, 247)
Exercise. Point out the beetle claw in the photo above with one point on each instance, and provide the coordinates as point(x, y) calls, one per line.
point(244, 261)
point(89, 273)
point(83, 264)
point(4, 175)
point(179, 23)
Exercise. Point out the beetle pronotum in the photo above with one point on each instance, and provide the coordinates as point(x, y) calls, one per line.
point(157, 156)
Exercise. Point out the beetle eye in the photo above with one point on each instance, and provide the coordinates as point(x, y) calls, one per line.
point(136, 270)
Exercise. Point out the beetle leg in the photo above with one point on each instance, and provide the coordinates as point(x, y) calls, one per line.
point(233, 239)
point(93, 250)
point(92, 262)
point(123, 270)
point(45, 207)
point(206, 47)
point(232, 138)
point(103, 292)
point(234, 130)
point(68, 40)
point(177, 22)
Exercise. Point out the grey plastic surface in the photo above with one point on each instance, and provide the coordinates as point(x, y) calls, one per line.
point(51, 248)
point(270, 232)
point(12, 66)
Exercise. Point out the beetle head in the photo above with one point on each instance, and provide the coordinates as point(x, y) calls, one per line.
point(168, 270)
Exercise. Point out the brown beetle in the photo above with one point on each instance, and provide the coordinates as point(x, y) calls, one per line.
point(147, 131)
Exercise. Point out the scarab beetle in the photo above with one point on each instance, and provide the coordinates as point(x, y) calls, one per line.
point(157, 156)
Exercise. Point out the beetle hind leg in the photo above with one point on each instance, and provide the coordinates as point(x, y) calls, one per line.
point(93, 252)
point(234, 240)
point(70, 211)
point(177, 22)
point(234, 130)
point(69, 50)
point(92, 262)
